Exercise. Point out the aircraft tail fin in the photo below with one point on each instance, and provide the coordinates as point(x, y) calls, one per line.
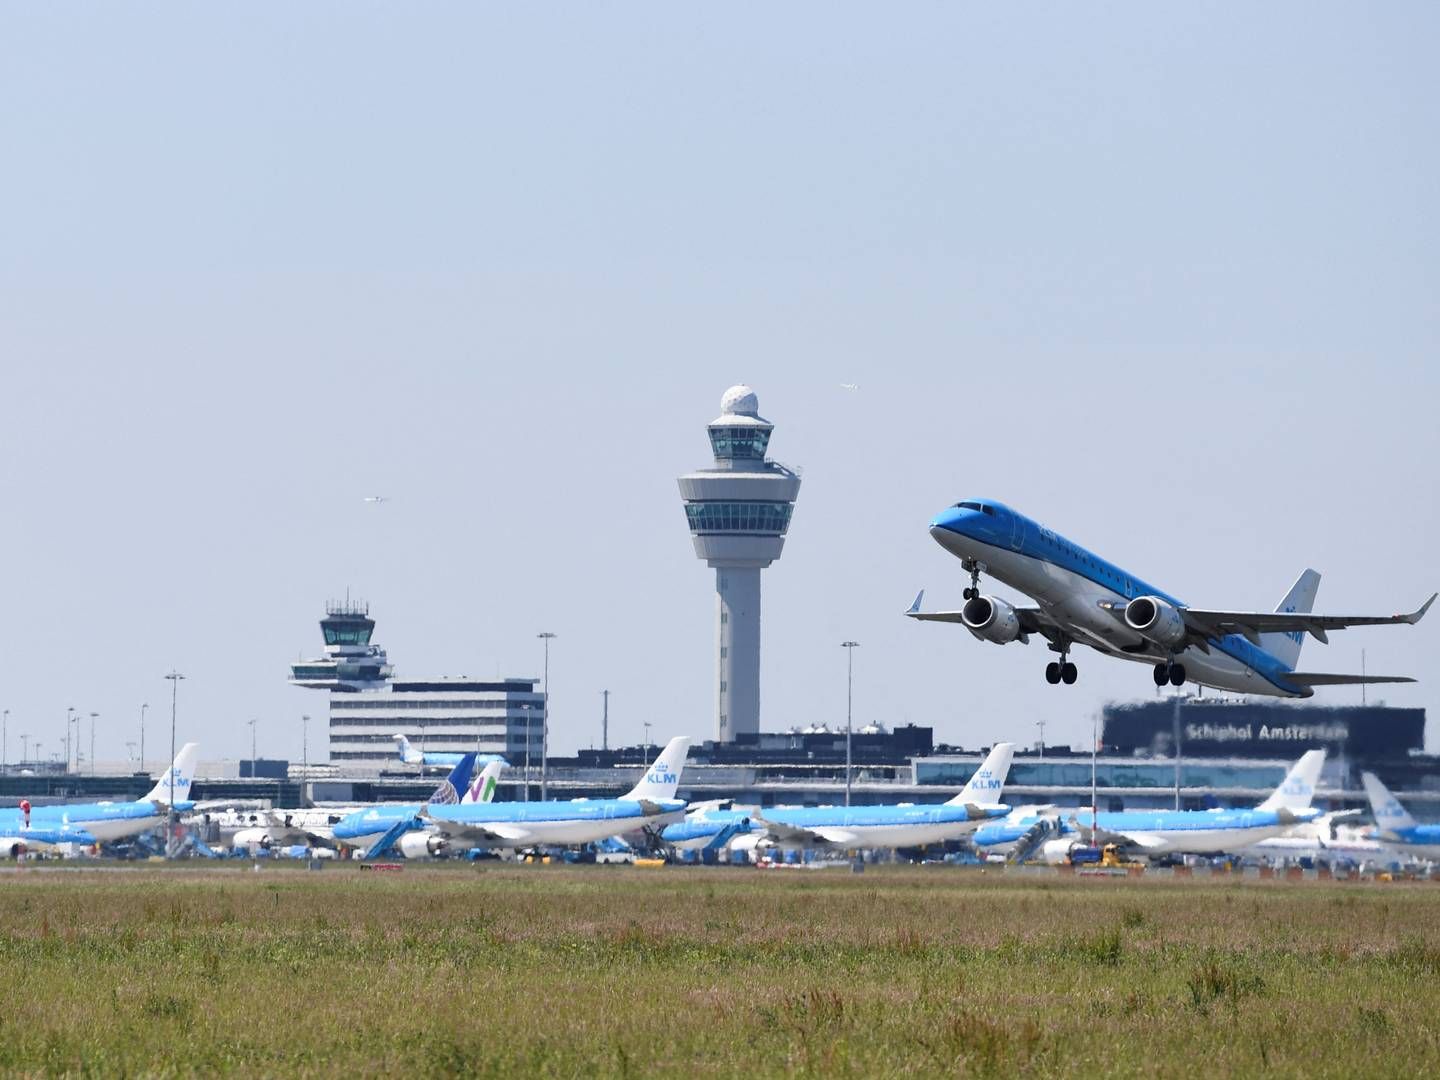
point(408, 754)
point(985, 786)
point(448, 793)
point(1298, 788)
point(482, 788)
point(1301, 600)
point(181, 771)
point(1390, 816)
point(663, 777)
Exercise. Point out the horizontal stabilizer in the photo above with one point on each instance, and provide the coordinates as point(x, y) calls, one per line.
point(1323, 678)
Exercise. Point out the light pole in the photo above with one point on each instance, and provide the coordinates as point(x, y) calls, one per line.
point(142, 736)
point(304, 755)
point(528, 707)
point(24, 748)
point(1041, 725)
point(4, 737)
point(252, 746)
point(646, 747)
point(93, 717)
point(546, 637)
point(174, 678)
point(849, 647)
point(69, 714)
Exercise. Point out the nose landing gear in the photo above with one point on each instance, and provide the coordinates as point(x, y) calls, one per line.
point(973, 590)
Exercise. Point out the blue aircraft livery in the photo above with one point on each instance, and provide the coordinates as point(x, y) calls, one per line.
point(1395, 828)
point(886, 826)
point(651, 804)
point(89, 823)
point(1081, 599)
point(1053, 833)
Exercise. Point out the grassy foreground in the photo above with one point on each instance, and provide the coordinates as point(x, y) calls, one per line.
point(618, 971)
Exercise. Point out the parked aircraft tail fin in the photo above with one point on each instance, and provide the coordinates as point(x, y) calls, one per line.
point(1298, 788)
point(1285, 646)
point(663, 777)
point(448, 793)
point(408, 753)
point(985, 786)
point(181, 772)
point(482, 788)
point(1390, 816)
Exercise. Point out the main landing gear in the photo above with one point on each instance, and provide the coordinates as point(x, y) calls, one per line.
point(1064, 671)
point(1170, 672)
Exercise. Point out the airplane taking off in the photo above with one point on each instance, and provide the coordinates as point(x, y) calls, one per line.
point(1161, 832)
point(899, 825)
point(1396, 828)
point(89, 823)
point(437, 759)
point(649, 804)
point(1083, 600)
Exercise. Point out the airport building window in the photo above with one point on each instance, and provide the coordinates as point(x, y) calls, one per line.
point(742, 443)
point(754, 517)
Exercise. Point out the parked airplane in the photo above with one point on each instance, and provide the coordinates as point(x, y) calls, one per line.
point(363, 827)
point(1083, 600)
point(439, 759)
point(649, 804)
point(886, 826)
point(1394, 825)
point(101, 822)
point(1052, 833)
point(275, 829)
point(1324, 840)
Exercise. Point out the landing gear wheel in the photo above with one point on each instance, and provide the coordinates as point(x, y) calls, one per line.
point(968, 593)
point(1069, 673)
point(1053, 673)
point(1162, 674)
point(1177, 674)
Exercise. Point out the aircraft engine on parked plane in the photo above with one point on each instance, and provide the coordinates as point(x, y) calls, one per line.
point(419, 845)
point(991, 618)
point(1155, 619)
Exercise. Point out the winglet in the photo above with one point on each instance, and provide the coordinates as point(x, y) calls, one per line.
point(919, 599)
point(1416, 616)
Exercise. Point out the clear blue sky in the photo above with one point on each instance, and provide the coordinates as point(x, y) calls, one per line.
point(1164, 279)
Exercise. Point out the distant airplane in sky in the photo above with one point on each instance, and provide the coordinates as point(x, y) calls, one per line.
point(377, 499)
point(849, 386)
point(1084, 600)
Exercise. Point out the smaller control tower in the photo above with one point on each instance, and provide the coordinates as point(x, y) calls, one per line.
point(739, 512)
point(350, 661)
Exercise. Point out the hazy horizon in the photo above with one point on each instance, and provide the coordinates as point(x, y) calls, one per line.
point(1164, 281)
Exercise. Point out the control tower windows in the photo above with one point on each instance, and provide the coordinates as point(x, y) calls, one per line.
point(771, 518)
point(347, 633)
point(739, 443)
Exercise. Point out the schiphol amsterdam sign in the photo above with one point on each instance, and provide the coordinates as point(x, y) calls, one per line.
point(1337, 732)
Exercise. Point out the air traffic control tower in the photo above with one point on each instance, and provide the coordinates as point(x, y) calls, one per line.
point(738, 513)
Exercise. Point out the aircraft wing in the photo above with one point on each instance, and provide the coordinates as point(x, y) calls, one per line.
point(1317, 678)
point(825, 834)
point(1251, 624)
point(1032, 619)
point(1092, 835)
point(493, 833)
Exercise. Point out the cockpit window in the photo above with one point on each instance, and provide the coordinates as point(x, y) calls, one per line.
point(989, 510)
point(968, 506)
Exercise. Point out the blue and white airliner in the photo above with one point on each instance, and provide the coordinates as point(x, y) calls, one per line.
point(650, 804)
point(376, 829)
point(1395, 828)
point(1080, 599)
point(846, 827)
point(438, 759)
point(1052, 833)
point(40, 827)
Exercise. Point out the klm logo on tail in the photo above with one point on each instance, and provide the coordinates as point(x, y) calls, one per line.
point(661, 775)
point(985, 780)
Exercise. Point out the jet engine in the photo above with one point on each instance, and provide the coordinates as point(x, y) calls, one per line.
point(1155, 619)
point(991, 618)
point(13, 848)
point(419, 845)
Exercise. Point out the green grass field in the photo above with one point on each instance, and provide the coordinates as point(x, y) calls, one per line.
point(622, 971)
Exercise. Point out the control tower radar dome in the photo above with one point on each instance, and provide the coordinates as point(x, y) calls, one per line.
point(740, 401)
point(738, 511)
